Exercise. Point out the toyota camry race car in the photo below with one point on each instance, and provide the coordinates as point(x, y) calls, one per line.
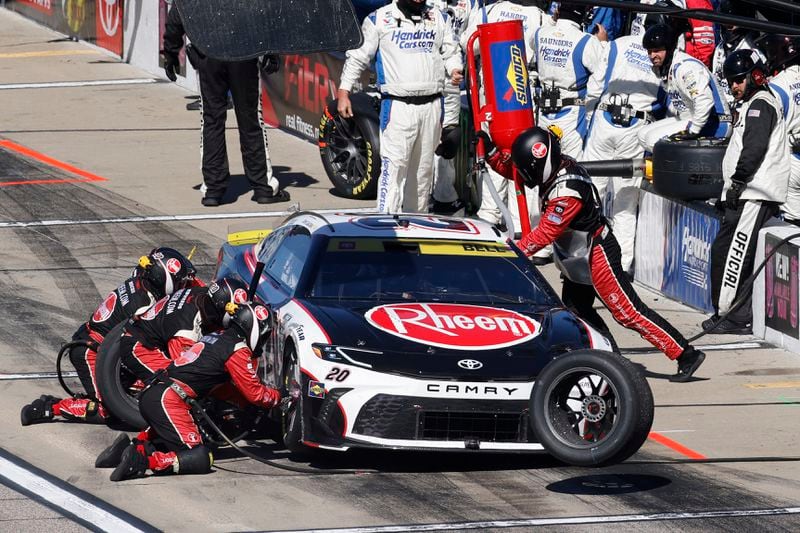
point(426, 332)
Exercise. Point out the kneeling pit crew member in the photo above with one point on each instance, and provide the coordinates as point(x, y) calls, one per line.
point(571, 214)
point(157, 275)
point(159, 336)
point(172, 443)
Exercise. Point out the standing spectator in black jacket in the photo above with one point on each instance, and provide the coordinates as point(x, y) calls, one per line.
point(217, 78)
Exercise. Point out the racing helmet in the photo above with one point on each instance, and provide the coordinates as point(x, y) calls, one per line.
point(536, 153)
point(781, 51)
point(252, 322)
point(576, 12)
point(660, 37)
point(219, 294)
point(679, 25)
point(164, 270)
point(745, 64)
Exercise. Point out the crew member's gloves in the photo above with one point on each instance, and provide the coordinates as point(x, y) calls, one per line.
point(451, 139)
point(734, 193)
point(684, 135)
point(172, 65)
point(269, 64)
point(500, 161)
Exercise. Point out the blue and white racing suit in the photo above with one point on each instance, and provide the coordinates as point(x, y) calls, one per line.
point(786, 87)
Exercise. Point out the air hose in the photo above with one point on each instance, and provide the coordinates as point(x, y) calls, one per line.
point(743, 297)
point(198, 409)
point(65, 349)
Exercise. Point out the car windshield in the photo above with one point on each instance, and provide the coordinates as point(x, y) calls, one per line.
point(426, 270)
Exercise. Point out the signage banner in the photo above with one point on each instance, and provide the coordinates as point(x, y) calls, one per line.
point(781, 287)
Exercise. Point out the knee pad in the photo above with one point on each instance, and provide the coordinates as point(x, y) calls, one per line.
point(198, 460)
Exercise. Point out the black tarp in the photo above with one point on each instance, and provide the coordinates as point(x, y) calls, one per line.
point(241, 29)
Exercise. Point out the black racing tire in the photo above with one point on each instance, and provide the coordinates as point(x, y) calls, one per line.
point(591, 408)
point(114, 393)
point(689, 170)
point(350, 152)
point(292, 420)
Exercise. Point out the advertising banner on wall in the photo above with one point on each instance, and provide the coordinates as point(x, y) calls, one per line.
point(95, 21)
point(296, 95)
point(781, 288)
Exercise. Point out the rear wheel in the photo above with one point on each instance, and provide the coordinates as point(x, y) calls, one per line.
point(350, 152)
point(591, 408)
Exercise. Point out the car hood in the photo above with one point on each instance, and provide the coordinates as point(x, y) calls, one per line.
point(511, 342)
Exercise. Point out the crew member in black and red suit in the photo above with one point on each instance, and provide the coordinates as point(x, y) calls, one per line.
point(158, 274)
point(585, 249)
point(175, 323)
point(172, 443)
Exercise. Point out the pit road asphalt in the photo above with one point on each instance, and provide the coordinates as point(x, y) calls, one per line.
point(723, 456)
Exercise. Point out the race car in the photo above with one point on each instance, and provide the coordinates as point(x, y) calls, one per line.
point(428, 332)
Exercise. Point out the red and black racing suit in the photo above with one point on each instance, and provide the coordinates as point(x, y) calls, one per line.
point(124, 302)
point(214, 361)
point(153, 339)
point(569, 204)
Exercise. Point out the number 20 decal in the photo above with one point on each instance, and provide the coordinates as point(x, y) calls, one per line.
point(337, 374)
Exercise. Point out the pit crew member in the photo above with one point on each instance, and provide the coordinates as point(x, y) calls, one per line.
point(696, 106)
point(584, 247)
point(756, 170)
point(414, 50)
point(696, 37)
point(152, 340)
point(631, 94)
point(172, 442)
point(158, 274)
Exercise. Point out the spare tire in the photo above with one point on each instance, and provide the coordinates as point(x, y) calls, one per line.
point(115, 394)
point(689, 170)
point(350, 148)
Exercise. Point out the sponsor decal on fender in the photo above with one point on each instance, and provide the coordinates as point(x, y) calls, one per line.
point(316, 389)
point(456, 326)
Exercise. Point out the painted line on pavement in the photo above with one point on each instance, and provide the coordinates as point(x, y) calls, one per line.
point(65, 498)
point(47, 160)
point(176, 218)
point(48, 53)
point(37, 375)
point(675, 446)
point(87, 83)
point(777, 385)
point(539, 522)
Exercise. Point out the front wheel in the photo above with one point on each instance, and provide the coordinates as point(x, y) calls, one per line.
point(292, 420)
point(591, 408)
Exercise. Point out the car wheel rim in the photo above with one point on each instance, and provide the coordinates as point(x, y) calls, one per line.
point(292, 386)
point(582, 407)
point(347, 151)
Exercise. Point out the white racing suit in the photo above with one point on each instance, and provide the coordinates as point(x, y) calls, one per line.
point(458, 13)
point(631, 91)
point(568, 61)
point(758, 155)
point(532, 18)
point(411, 59)
point(786, 87)
point(695, 103)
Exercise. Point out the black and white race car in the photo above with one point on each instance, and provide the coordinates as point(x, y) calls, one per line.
point(426, 332)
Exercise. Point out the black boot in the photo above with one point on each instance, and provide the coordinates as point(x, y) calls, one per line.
point(688, 363)
point(133, 464)
point(112, 456)
point(37, 411)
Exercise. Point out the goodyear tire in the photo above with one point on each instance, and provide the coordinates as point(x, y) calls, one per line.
point(689, 170)
point(591, 408)
point(350, 152)
point(115, 395)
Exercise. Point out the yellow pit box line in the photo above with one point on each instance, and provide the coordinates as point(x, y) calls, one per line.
point(252, 236)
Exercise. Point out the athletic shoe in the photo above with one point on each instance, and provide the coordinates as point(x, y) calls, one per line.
point(688, 363)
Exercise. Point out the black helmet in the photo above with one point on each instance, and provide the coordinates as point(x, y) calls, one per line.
point(252, 322)
point(678, 25)
point(781, 51)
point(575, 12)
point(536, 153)
point(164, 270)
point(219, 294)
point(660, 37)
point(745, 64)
